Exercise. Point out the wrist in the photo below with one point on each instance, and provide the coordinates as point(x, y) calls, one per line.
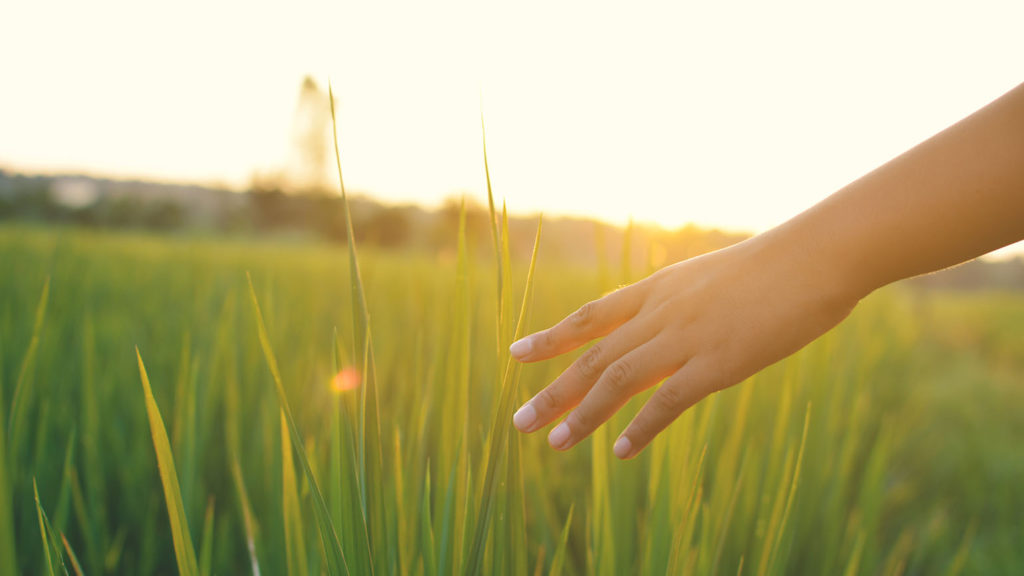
point(816, 264)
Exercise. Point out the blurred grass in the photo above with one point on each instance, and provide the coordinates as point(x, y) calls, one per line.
point(911, 462)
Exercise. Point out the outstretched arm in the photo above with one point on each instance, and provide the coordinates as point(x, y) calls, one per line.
point(707, 323)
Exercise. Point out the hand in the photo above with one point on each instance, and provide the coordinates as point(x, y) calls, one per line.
point(702, 325)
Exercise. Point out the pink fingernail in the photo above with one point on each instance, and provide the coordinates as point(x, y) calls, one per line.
point(521, 347)
point(622, 447)
point(525, 417)
point(559, 437)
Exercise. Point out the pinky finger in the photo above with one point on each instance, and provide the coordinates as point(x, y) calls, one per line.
point(676, 394)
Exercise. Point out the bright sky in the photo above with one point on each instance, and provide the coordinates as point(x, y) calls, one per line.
point(720, 113)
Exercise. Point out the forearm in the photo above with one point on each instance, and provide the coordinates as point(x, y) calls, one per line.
point(958, 195)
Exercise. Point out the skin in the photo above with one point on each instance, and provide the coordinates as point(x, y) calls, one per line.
point(704, 324)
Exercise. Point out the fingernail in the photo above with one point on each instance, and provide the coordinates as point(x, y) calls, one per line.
point(559, 437)
point(622, 447)
point(521, 347)
point(525, 417)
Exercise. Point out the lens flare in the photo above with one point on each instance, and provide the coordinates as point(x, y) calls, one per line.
point(345, 380)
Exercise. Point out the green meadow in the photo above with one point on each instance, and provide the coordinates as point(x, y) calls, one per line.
point(890, 446)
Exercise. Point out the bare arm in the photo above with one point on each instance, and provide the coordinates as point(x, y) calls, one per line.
point(707, 323)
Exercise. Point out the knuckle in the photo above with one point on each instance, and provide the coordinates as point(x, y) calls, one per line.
point(617, 377)
point(582, 317)
point(545, 341)
point(579, 422)
point(669, 399)
point(549, 399)
point(589, 364)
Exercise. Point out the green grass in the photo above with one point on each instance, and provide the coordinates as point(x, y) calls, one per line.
point(890, 446)
point(184, 551)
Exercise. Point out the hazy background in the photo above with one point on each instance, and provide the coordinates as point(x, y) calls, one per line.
point(725, 114)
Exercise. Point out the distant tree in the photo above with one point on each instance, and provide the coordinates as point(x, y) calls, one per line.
point(125, 212)
point(327, 216)
point(165, 215)
point(446, 225)
point(388, 227)
point(308, 168)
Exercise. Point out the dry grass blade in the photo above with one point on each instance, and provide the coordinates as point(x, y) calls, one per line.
point(75, 564)
point(183, 548)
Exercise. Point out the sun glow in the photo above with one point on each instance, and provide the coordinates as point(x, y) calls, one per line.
point(729, 114)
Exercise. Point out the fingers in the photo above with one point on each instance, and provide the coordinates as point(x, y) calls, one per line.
point(572, 385)
point(592, 320)
point(637, 370)
point(689, 385)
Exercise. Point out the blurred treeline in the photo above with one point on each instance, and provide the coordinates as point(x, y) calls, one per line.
point(268, 210)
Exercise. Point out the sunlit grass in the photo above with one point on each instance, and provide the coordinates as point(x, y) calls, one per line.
point(184, 551)
point(909, 443)
point(387, 377)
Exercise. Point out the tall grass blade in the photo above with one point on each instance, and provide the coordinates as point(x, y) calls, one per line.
point(371, 449)
point(498, 437)
point(75, 564)
point(183, 548)
point(47, 549)
point(248, 518)
point(45, 532)
point(447, 512)
point(493, 214)
point(20, 400)
point(427, 532)
point(558, 562)
point(8, 554)
point(601, 528)
point(350, 506)
point(455, 430)
point(328, 535)
point(956, 567)
point(725, 522)
point(294, 539)
point(206, 548)
point(94, 483)
point(372, 465)
point(64, 495)
point(777, 526)
point(853, 567)
point(360, 316)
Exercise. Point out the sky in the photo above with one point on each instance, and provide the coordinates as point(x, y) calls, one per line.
point(729, 114)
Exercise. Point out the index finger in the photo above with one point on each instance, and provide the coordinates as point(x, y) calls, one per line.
point(592, 320)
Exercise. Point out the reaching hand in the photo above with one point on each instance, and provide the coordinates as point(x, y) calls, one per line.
point(707, 323)
point(701, 325)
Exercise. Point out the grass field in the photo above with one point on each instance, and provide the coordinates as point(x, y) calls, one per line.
point(890, 446)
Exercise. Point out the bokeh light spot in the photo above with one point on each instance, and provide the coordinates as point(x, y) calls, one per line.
point(345, 380)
